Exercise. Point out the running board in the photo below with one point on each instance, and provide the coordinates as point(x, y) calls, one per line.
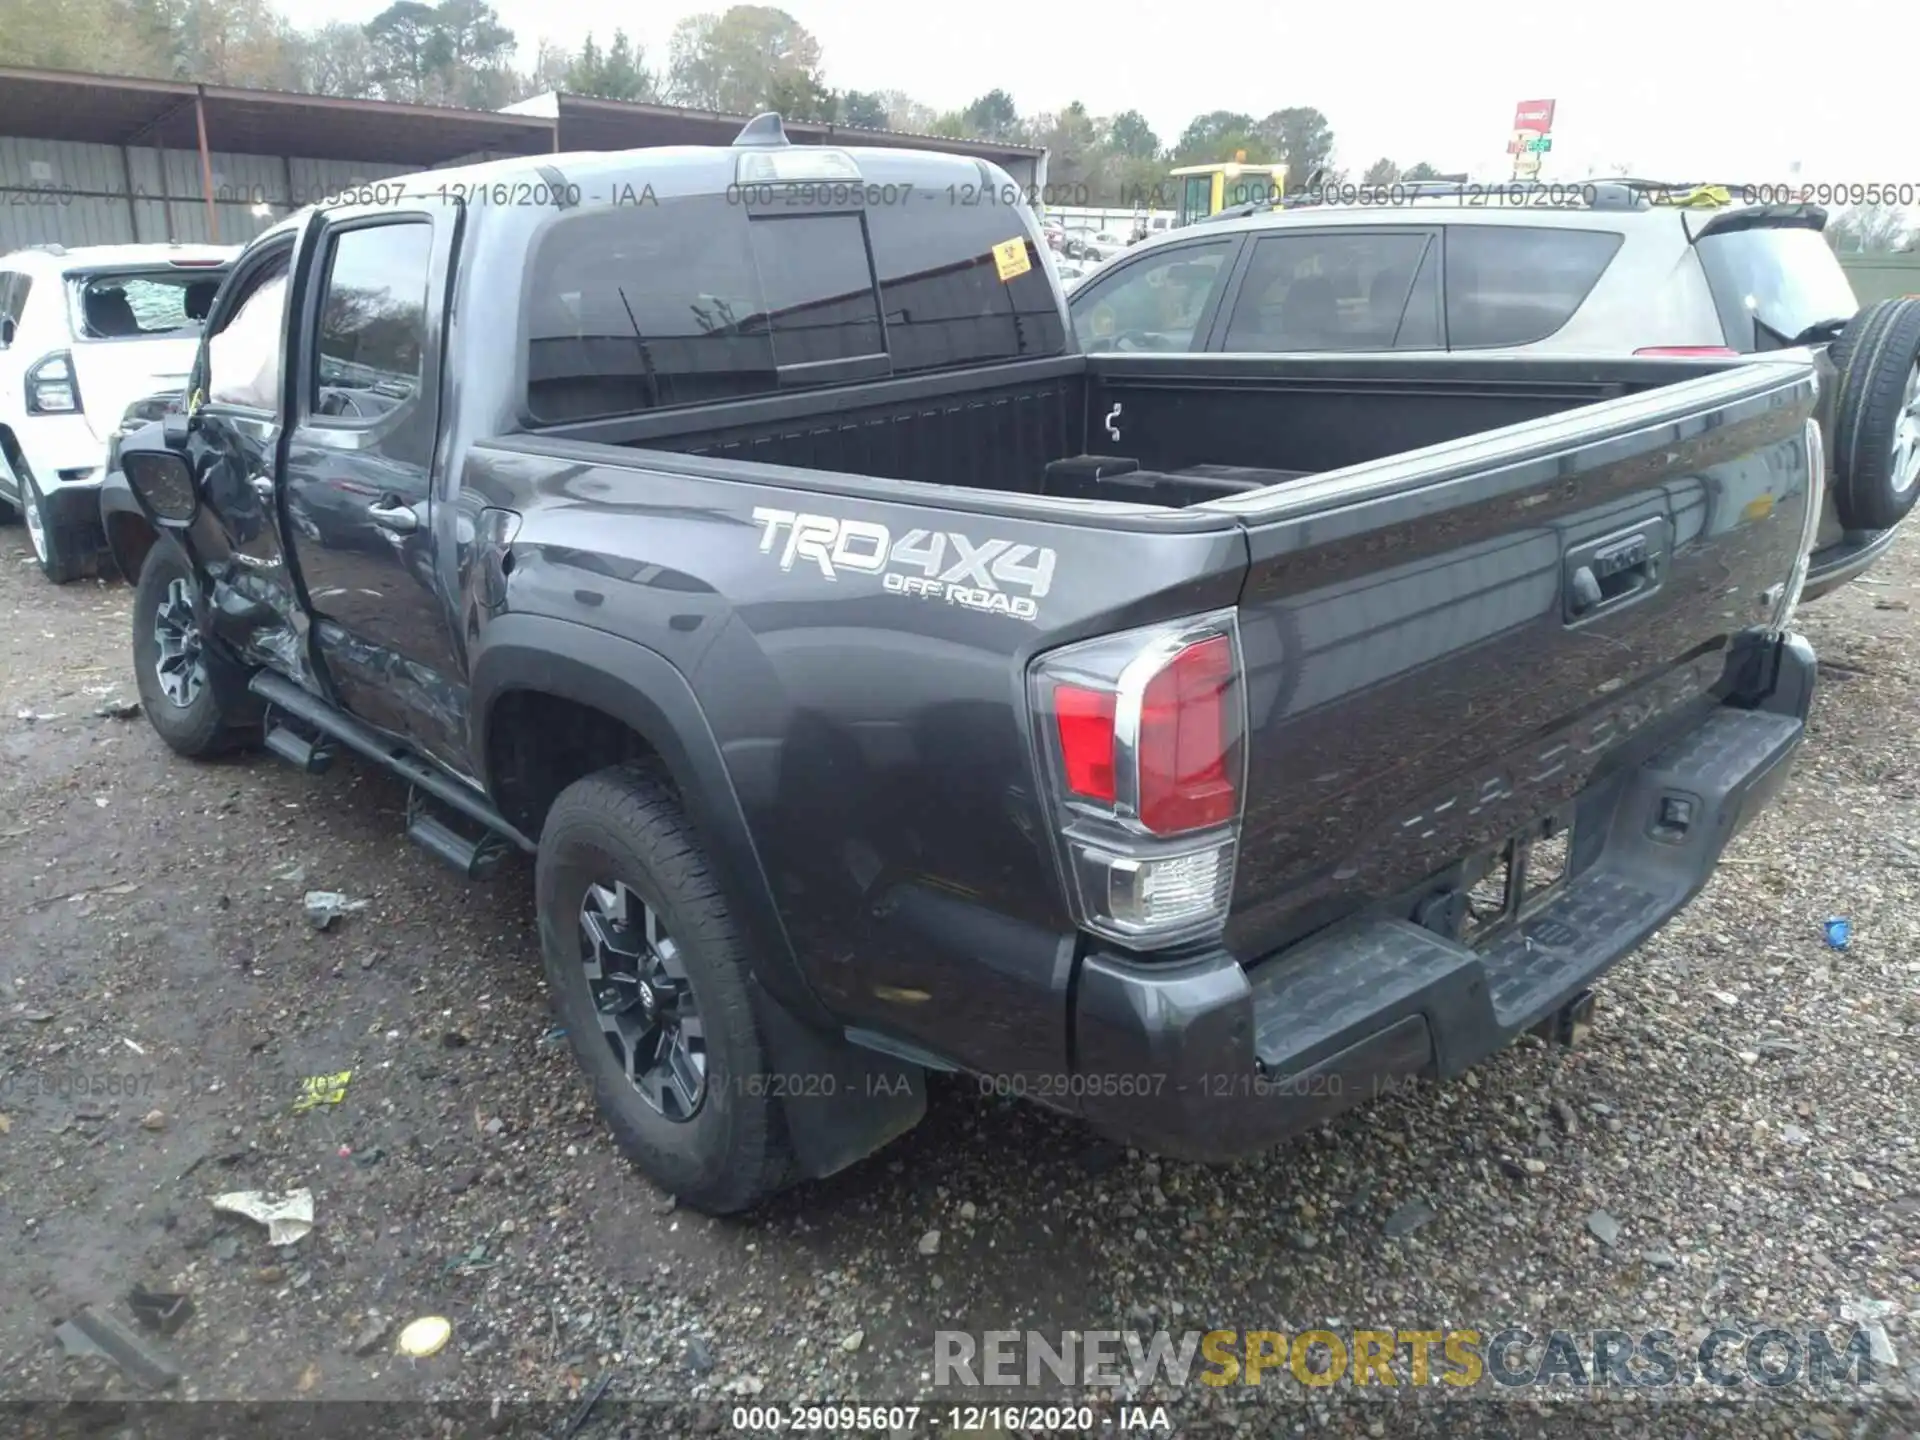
point(311, 710)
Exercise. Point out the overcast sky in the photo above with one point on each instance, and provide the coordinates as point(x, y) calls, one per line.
point(1682, 89)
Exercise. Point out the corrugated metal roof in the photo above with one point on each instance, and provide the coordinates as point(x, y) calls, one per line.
point(116, 110)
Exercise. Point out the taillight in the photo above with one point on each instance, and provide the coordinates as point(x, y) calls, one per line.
point(1809, 526)
point(51, 387)
point(1686, 350)
point(1143, 746)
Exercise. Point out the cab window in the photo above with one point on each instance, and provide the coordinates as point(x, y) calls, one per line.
point(1156, 303)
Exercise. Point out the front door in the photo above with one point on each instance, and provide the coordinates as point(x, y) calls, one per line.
point(359, 509)
point(236, 398)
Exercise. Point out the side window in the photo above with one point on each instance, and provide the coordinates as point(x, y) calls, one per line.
point(13, 303)
point(373, 320)
point(243, 355)
point(1514, 284)
point(1334, 290)
point(1154, 304)
point(944, 299)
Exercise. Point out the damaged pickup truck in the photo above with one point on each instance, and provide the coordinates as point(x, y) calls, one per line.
point(1191, 743)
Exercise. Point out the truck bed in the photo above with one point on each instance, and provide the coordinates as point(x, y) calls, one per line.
point(1191, 429)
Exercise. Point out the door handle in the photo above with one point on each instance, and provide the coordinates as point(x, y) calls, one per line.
point(398, 518)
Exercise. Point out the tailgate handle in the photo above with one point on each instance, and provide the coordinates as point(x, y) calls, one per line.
point(1609, 573)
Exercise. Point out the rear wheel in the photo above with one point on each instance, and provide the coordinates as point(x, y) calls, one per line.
point(196, 701)
point(1877, 416)
point(648, 973)
point(62, 559)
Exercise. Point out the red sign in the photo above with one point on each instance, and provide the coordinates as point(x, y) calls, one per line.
point(1536, 115)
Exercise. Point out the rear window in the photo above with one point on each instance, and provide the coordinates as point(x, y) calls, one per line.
point(699, 299)
point(1515, 285)
point(1336, 290)
point(164, 302)
point(1770, 283)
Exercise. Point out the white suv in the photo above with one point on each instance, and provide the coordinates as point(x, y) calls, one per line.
point(82, 334)
point(1613, 268)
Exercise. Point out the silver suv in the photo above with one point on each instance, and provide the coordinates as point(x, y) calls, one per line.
point(1593, 268)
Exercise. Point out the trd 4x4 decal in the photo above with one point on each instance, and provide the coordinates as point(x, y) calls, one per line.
point(931, 564)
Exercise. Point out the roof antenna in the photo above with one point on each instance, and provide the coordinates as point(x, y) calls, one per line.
point(763, 129)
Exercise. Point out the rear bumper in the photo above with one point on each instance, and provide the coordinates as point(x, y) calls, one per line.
point(1211, 1061)
point(1834, 565)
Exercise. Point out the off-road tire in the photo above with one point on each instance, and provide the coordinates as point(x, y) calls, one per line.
point(624, 825)
point(1876, 357)
point(223, 716)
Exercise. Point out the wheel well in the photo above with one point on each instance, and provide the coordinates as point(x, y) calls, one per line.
point(129, 538)
point(538, 744)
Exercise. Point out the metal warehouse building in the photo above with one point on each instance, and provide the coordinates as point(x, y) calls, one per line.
point(96, 159)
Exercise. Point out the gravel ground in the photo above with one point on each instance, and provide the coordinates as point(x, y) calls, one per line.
point(1744, 1113)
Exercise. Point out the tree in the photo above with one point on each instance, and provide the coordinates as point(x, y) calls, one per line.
point(1218, 136)
point(799, 95)
point(993, 116)
point(906, 114)
point(338, 60)
point(1381, 172)
point(404, 38)
point(453, 53)
point(1076, 146)
point(618, 73)
point(1420, 171)
point(233, 42)
point(1301, 137)
point(1129, 134)
point(1869, 230)
point(866, 108)
point(738, 61)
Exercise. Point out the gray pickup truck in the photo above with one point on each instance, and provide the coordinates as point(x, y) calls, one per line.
point(1191, 743)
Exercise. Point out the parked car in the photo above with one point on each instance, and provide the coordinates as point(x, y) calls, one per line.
point(82, 333)
point(1608, 268)
point(1138, 732)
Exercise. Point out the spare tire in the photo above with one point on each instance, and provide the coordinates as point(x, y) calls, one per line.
point(1876, 452)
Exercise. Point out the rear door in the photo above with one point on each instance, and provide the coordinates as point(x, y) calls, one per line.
point(1428, 673)
point(1340, 288)
point(365, 409)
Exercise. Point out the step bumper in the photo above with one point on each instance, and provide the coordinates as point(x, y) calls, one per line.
point(1210, 1060)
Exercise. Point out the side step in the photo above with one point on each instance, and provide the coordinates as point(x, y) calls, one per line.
point(312, 756)
point(332, 724)
point(475, 857)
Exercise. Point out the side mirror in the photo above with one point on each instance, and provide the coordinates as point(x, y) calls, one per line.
point(162, 481)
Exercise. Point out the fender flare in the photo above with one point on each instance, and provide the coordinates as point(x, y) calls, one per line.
point(117, 509)
point(645, 692)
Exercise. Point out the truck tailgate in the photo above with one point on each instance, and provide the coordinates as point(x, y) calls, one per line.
point(1444, 648)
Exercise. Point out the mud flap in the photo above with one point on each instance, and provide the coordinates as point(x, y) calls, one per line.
point(841, 1102)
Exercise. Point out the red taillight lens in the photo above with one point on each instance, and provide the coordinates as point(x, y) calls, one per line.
point(1686, 350)
point(1085, 718)
point(1185, 740)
